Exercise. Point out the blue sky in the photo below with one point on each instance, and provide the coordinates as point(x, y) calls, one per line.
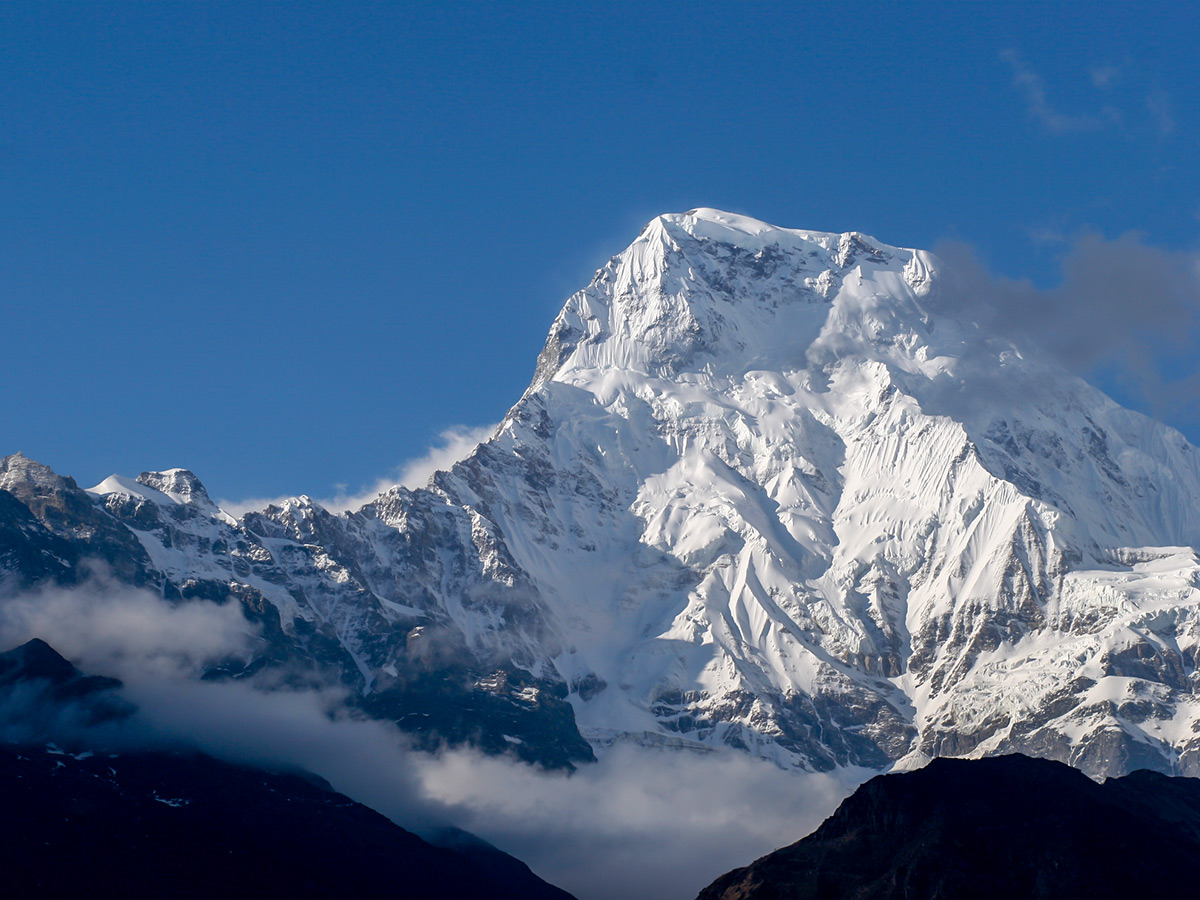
point(287, 245)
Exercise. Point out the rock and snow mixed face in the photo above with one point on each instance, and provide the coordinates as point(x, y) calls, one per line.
point(770, 500)
point(767, 489)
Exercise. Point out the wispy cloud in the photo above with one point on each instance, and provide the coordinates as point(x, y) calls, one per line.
point(1125, 97)
point(1038, 103)
point(1104, 77)
point(1048, 236)
point(112, 629)
point(1158, 105)
point(452, 445)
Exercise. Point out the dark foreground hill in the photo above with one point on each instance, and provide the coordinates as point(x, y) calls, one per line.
point(166, 825)
point(159, 825)
point(1003, 827)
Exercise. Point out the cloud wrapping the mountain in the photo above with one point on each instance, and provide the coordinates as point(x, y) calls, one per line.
point(112, 629)
point(1124, 310)
point(642, 824)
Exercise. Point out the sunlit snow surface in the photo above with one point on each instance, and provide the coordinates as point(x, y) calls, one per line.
point(769, 489)
point(780, 511)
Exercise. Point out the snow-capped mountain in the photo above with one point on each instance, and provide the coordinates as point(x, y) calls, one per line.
point(768, 488)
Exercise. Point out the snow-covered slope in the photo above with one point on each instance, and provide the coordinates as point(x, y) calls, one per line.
point(742, 496)
point(758, 494)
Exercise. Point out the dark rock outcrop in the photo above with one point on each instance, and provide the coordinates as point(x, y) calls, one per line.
point(164, 825)
point(44, 697)
point(1001, 827)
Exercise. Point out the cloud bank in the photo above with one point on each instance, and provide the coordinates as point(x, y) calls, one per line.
point(642, 824)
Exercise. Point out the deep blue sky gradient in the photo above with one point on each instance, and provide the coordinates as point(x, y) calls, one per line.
point(285, 245)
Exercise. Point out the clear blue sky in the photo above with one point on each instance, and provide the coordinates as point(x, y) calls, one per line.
point(285, 245)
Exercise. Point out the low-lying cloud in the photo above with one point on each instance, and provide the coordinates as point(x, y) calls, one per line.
point(109, 628)
point(642, 824)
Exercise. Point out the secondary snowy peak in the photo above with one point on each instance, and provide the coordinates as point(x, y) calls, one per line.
point(175, 492)
point(179, 484)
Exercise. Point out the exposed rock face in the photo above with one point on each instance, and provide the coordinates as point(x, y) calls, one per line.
point(67, 513)
point(758, 495)
point(362, 597)
point(991, 828)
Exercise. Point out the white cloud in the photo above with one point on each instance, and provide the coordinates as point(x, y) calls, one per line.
point(641, 824)
point(1039, 105)
point(452, 445)
point(112, 629)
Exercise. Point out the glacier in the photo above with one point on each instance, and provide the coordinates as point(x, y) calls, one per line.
point(769, 489)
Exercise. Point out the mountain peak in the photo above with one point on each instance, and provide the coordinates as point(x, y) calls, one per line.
point(35, 659)
point(719, 291)
point(181, 485)
point(755, 497)
point(24, 477)
point(721, 225)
